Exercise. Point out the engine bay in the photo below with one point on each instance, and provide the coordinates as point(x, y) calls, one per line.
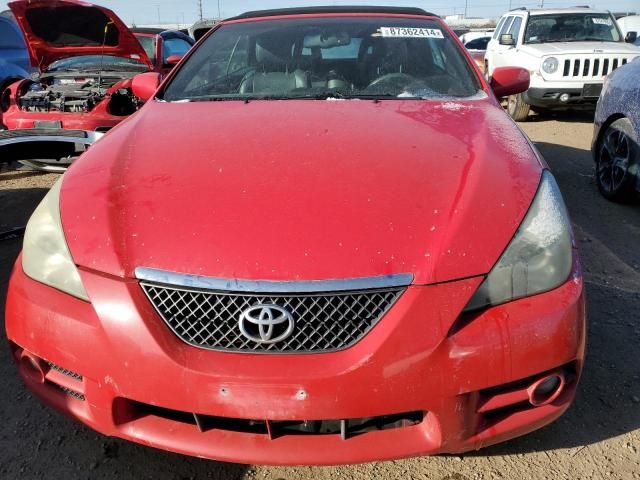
point(77, 93)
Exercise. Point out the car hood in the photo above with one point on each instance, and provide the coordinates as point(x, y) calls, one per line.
point(577, 48)
point(302, 190)
point(57, 29)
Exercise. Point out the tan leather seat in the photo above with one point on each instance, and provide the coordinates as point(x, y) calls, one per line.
point(272, 75)
point(275, 82)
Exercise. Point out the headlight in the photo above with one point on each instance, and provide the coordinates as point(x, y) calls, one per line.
point(550, 65)
point(540, 256)
point(45, 255)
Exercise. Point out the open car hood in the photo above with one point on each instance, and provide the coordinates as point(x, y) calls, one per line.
point(57, 29)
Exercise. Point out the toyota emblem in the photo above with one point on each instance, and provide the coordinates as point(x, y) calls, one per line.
point(266, 324)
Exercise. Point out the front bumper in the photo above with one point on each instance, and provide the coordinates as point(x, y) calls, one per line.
point(49, 149)
point(585, 97)
point(140, 382)
point(97, 120)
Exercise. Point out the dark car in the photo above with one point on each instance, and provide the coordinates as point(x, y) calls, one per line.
point(165, 48)
point(14, 57)
point(617, 130)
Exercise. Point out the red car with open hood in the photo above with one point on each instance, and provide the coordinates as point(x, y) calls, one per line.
point(320, 241)
point(86, 57)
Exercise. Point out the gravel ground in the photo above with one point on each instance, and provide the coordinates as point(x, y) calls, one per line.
point(598, 438)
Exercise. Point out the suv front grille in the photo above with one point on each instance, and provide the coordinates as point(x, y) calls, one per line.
point(321, 322)
point(592, 67)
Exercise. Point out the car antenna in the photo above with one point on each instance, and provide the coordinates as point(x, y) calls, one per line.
point(104, 42)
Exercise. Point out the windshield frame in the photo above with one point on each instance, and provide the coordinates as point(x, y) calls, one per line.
point(479, 82)
point(585, 13)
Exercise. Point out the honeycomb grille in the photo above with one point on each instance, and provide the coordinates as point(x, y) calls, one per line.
point(64, 371)
point(71, 393)
point(322, 322)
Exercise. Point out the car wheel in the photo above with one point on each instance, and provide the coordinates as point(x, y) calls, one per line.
point(518, 109)
point(616, 156)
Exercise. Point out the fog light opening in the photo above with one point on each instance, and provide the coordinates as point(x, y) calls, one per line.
point(564, 97)
point(546, 390)
point(32, 366)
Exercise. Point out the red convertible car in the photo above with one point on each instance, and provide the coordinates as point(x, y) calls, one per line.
point(320, 241)
point(87, 58)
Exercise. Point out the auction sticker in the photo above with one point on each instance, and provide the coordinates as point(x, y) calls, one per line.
point(410, 32)
point(601, 21)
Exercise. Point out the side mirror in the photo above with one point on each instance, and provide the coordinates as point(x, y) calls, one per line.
point(144, 86)
point(507, 39)
point(173, 60)
point(507, 81)
point(631, 37)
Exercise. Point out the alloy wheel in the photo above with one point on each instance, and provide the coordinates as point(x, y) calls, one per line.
point(615, 156)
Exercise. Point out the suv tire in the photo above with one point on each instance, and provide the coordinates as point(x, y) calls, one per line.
point(518, 109)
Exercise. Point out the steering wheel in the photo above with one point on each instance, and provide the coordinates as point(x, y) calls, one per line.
point(393, 79)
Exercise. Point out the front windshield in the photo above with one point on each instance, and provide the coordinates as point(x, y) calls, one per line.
point(571, 27)
point(354, 57)
point(88, 63)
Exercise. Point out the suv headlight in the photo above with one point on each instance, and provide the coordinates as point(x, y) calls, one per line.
point(45, 255)
point(539, 257)
point(550, 65)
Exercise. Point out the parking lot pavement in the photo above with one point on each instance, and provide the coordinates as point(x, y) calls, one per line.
point(598, 438)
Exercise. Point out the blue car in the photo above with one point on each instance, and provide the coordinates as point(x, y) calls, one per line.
point(14, 57)
point(616, 150)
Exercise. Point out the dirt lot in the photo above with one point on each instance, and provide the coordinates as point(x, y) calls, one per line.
point(598, 438)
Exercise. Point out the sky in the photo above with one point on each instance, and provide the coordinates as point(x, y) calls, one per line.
point(187, 11)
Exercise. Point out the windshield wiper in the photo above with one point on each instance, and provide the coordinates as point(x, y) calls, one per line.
point(107, 69)
point(574, 40)
point(56, 69)
point(211, 98)
point(327, 95)
point(317, 96)
point(378, 96)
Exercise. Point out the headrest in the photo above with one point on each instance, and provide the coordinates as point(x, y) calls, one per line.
point(272, 51)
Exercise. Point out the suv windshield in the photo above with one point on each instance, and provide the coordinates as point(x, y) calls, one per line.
point(571, 27)
point(354, 57)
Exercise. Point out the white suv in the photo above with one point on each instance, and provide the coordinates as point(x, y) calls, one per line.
point(568, 52)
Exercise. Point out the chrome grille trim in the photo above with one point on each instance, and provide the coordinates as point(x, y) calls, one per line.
point(325, 321)
point(270, 286)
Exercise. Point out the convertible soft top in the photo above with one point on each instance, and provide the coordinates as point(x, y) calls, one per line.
point(331, 9)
